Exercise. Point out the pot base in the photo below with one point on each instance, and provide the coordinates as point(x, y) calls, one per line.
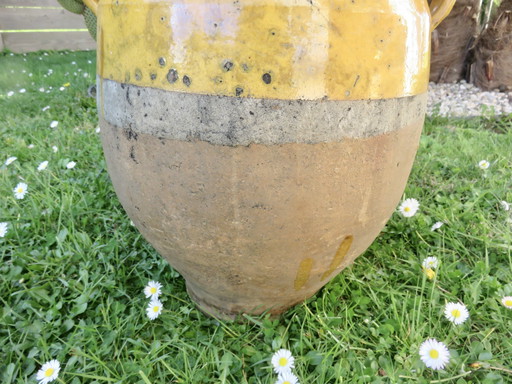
point(228, 311)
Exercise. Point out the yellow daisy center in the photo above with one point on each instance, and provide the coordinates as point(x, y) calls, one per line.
point(283, 361)
point(49, 372)
point(156, 308)
point(430, 273)
point(433, 354)
point(286, 382)
point(407, 209)
point(19, 190)
point(456, 313)
point(508, 303)
point(152, 290)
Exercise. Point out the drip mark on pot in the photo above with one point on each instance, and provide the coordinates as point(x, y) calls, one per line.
point(172, 76)
point(161, 61)
point(355, 82)
point(131, 134)
point(339, 256)
point(267, 79)
point(132, 154)
point(138, 74)
point(239, 91)
point(303, 273)
point(152, 76)
point(187, 81)
point(128, 96)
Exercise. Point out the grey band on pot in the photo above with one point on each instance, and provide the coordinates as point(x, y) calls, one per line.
point(243, 121)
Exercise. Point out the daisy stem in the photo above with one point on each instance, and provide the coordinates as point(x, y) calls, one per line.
point(509, 371)
point(444, 290)
point(451, 378)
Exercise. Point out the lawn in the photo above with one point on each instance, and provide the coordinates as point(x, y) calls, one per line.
point(73, 268)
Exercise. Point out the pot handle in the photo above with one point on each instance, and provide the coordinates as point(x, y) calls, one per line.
point(439, 9)
point(92, 5)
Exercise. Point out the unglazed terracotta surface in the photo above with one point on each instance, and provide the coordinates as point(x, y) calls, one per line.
point(259, 227)
point(260, 145)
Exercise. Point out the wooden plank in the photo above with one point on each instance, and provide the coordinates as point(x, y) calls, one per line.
point(29, 3)
point(2, 46)
point(35, 41)
point(33, 18)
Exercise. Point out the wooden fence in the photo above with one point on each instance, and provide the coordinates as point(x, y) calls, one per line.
point(32, 25)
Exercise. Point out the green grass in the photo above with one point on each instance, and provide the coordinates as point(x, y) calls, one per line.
point(73, 269)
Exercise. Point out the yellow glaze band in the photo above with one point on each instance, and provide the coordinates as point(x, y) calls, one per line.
point(280, 49)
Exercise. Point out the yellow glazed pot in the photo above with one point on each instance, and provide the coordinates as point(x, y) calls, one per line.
point(261, 145)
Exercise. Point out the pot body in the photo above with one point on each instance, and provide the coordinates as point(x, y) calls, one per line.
point(261, 146)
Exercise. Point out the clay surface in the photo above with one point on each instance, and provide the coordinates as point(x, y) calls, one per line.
point(243, 121)
point(256, 221)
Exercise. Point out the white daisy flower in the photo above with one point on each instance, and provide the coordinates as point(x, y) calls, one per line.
point(287, 378)
point(70, 165)
point(31, 146)
point(484, 164)
point(55, 149)
point(153, 289)
point(10, 93)
point(434, 354)
point(42, 166)
point(22, 90)
point(98, 129)
point(436, 225)
point(41, 89)
point(73, 63)
point(409, 207)
point(430, 262)
point(154, 309)
point(48, 372)
point(10, 160)
point(283, 361)
point(54, 124)
point(61, 88)
point(507, 302)
point(44, 109)
point(455, 312)
point(20, 190)
point(3, 229)
point(505, 205)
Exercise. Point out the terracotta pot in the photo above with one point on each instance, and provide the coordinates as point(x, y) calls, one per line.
point(261, 146)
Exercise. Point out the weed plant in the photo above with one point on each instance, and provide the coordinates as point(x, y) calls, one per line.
point(73, 268)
